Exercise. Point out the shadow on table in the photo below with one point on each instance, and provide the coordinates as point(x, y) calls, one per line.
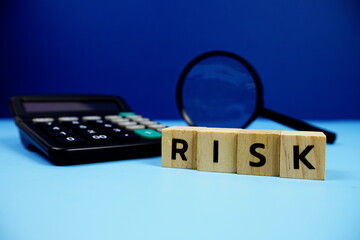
point(336, 175)
point(12, 147)
point(331, 174)
point(156, 161)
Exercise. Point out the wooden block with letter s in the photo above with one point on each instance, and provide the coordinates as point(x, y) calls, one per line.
point(302, 155)
point(179, 147)
point(216, 149)
point(258, 152)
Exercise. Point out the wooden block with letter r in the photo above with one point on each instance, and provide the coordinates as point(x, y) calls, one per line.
point(178, 147)
point(216, 149)
point(258, 152)
point(302, 155)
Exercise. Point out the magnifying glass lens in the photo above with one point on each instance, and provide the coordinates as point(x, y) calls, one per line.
point(219, 91)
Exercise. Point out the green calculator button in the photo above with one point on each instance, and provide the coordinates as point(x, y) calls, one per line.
point(148, 133)
point(125, 114)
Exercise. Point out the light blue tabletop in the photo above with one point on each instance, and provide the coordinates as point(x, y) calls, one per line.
point(138, 199)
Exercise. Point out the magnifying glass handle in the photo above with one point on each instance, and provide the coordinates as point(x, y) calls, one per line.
point(296, 124)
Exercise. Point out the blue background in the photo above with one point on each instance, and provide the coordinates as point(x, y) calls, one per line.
point(306, 52)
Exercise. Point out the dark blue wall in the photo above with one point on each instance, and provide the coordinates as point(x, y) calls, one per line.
point(307, 52)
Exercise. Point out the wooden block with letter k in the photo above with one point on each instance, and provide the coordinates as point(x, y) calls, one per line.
point(302, 155)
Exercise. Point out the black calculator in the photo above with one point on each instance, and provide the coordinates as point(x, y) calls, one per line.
point(74, 129)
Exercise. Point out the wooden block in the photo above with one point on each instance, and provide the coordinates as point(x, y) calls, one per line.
point(216, 149)
point(178, 147)
point(258, 152)
point(302, 155)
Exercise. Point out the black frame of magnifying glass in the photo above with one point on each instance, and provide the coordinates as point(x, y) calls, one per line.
point(192, 63)
point(260, 110)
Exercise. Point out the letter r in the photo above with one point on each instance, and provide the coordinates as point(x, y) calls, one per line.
point(175, 142)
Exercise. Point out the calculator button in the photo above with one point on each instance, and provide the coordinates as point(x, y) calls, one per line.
point(90, 131)
point(95, 122)
point(127, 136)
point(133, 127)
point(139, 120)
point(100, 137)
point(117, 130)
point(147, 123)
point(67, 119)
point(134, 117)
point(107, 125)
point(157, 127)
point(45, 124)
point(148, 133)
point(99, 121)
point(61, 133)
point(110, 117)
point(54, 128)
point(90, 118)
point(70, 140)
point(72, 122)
point(81, 126)
point(124, 124)
point(126, 114)
point(120, 119)
point(42, 120)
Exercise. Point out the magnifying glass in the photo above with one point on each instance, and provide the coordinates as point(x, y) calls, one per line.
point(221, 89)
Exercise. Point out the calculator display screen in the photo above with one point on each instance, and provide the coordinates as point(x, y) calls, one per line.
point(32, 107)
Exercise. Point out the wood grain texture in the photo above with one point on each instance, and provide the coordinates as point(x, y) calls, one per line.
point(189, 135)
point(226, 151)
point(266, 159)
point(300, 152)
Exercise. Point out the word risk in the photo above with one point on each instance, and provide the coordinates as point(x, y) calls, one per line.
point(289, 154)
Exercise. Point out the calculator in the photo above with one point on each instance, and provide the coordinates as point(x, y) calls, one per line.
point(75, 129)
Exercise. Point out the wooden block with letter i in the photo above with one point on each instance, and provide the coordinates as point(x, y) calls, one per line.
point(302, 155)
point(216, 149)
point(258, 152)
point(178, 147)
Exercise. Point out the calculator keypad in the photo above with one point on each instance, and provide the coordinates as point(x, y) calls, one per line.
point(98, 130)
